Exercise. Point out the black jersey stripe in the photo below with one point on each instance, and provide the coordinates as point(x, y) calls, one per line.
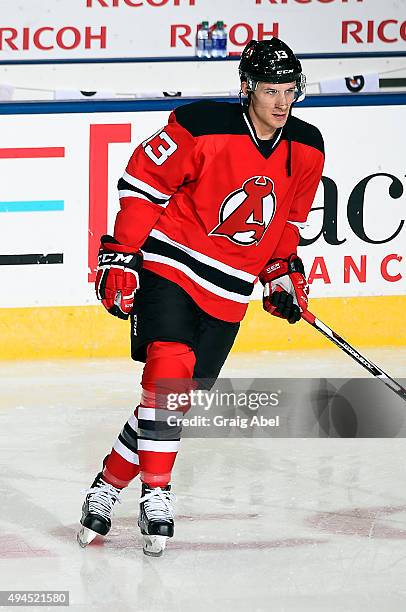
point(206, 272)
point(123, 185)
point(208, 117)
point(305, 133)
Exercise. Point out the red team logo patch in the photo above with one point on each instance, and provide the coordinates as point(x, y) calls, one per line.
point(246, 213)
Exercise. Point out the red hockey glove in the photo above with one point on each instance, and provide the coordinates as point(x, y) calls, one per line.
point(285, 288)
point(117, 276)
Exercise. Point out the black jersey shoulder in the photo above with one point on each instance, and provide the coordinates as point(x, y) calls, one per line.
point(210, 117)
point(305, 133)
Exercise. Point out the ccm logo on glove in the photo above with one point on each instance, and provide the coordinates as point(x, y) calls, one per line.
point(113, 258)
point(117, 277)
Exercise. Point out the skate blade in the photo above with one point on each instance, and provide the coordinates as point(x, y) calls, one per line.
point(85, 536)
point(154, 545)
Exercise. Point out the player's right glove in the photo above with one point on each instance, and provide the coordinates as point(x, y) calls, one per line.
point(285, 288)
point(117, 277)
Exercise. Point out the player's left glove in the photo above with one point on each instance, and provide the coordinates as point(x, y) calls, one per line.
point(117, 276)
point(285, 288)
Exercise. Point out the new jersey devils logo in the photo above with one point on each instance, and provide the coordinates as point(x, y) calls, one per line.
point(246, 213)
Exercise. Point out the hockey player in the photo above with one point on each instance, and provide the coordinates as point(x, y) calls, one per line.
point(210, 203)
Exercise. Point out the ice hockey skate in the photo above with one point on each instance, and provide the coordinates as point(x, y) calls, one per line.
point(97, 510)
point(156, 519)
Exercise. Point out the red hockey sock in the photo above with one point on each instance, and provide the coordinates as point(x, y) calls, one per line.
point(158, 444)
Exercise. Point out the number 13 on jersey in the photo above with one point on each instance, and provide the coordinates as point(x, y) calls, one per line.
point(159, 153)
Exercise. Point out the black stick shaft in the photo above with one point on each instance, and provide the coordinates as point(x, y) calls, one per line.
point(352, 352)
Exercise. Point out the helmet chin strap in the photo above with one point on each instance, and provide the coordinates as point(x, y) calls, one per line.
point(302, 88)
point(251, 84)
point(251, 87)
point(244, 98)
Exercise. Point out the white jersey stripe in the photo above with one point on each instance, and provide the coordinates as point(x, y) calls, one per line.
point(251, 130)
point(277, 140)
point(229, 295)
point(145, 187)
point(246, 276)
point(300, 225)
point(254, 138)
point(126, 193)
point(125, 453)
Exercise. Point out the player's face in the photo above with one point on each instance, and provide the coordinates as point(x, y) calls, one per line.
point(270, 104)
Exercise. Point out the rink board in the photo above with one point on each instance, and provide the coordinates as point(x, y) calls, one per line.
point(105, 29)
point(61, 162)
point(37, 333)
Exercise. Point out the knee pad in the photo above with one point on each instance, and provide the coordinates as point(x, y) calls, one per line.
point(168, 369)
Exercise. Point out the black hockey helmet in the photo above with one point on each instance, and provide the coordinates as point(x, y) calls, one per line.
point(271, 61)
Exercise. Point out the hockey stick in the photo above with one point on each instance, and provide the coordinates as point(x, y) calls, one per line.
point(352, 352)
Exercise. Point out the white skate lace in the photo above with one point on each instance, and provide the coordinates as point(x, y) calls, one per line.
point(157, 504)
point(102, 499)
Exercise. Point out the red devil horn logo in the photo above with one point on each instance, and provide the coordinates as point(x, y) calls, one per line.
point(242, 216)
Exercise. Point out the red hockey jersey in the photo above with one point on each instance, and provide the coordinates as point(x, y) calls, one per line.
point(209, 206)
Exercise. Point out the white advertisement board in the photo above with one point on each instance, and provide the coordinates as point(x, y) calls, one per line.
point(63, 29)
point(58, 176)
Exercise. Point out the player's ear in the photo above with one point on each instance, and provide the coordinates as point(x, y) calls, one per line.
point(244, 88)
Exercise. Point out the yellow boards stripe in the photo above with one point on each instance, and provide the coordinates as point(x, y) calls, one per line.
point(88, 331)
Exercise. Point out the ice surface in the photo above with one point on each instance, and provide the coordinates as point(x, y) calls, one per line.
point(262, 524)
